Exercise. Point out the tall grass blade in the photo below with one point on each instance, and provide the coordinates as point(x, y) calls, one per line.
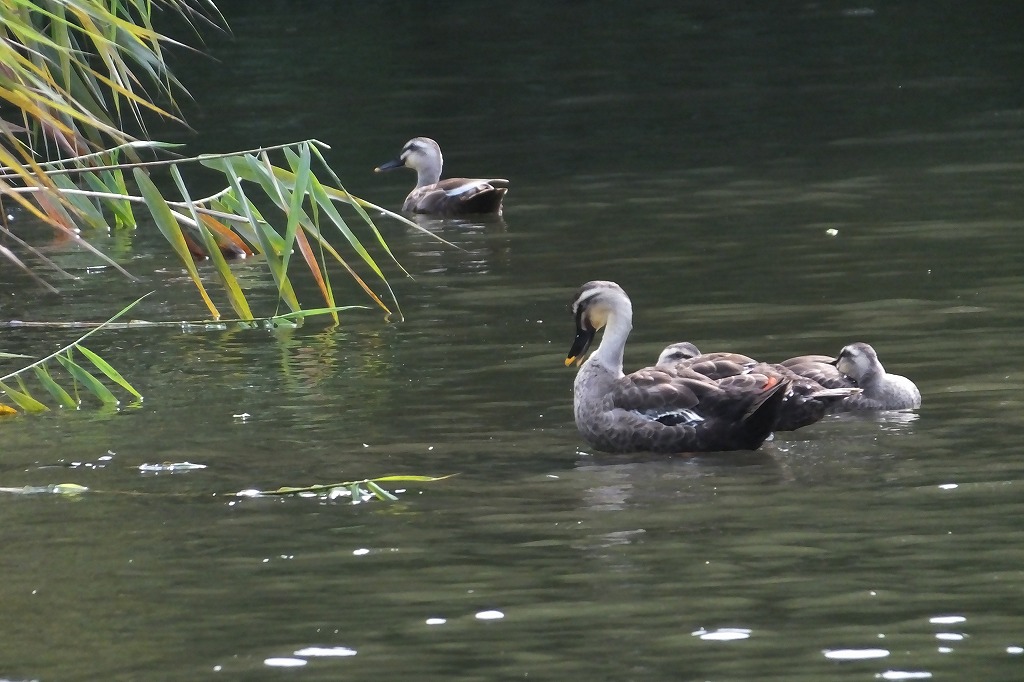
point(379, 492)
point(23, 400)
point(265, 234)
point(54, 389)
point(111, 373)
point(90, 382)
point(234, 291)
point(171, 230)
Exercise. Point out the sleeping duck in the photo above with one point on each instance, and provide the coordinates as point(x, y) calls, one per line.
point(858, 365)
point(806, 401)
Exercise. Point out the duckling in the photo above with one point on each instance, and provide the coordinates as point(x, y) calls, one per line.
point(805, 403)
point(449, 197)
point(882, 391)
point(858, 365)
point(676, 352)
point(658, 409)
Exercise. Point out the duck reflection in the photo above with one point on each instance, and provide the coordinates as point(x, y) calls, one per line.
point(475, 245)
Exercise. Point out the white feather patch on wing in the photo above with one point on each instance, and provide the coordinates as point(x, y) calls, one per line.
point(474, 186)
point(673, 417)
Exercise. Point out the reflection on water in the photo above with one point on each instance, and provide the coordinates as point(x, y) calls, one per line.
point(766, 180)
point(479, 245)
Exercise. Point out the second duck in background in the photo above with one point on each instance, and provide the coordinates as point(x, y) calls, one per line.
point(858, 365)
point(449, 197)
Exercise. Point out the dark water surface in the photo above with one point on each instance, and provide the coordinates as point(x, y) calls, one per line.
point(698, 155)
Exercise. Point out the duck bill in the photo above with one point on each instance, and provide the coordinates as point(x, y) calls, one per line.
point(389, 165)
point(580, 345)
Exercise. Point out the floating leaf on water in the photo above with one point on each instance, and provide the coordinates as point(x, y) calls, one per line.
point(170, 467)
point(286, 490)
point(55, 488)
point(380, 492)
point(211, 326)
point(68, 489)
point(282, 323)
point(359, 491)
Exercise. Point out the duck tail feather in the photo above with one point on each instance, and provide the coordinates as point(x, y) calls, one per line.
point(763, 414)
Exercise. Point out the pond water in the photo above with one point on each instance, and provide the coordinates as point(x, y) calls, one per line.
point(769, 181)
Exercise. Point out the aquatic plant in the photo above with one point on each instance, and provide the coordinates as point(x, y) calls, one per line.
point(81, 378)
point(79, 74)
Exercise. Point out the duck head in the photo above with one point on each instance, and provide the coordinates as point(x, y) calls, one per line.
point(677, 352)
point(857, 361)
point(594, 305)
point(421, 154)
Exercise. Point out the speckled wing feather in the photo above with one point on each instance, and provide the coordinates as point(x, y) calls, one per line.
point(457, 196)
point(679, 411)
point(806, 401)
point(801, 359)
point(721, 356)
point(714, 368)
point(653, 390)
point(822, 373)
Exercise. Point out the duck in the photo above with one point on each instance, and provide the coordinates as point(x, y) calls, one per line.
point(449, 197)
point(858, 365)
point(805, 402)
point(676, 352)
point(658, 409)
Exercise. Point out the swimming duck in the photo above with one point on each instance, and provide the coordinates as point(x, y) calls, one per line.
point(858, 365)
point(658, 409)
point(805, 402)
point(449, 197)
point(675, 352)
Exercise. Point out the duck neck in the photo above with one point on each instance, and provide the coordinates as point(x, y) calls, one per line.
point(609, 354)
point(429, 173)
point(872, 379)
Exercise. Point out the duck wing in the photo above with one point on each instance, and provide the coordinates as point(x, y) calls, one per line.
point(457, 196)
point(800, 359)
point(715, 368)
point(824, 374)
point(805, 402)
point(671, 411)
point(720, 356)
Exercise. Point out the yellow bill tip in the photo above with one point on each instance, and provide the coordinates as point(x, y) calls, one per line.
point(569, 360)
